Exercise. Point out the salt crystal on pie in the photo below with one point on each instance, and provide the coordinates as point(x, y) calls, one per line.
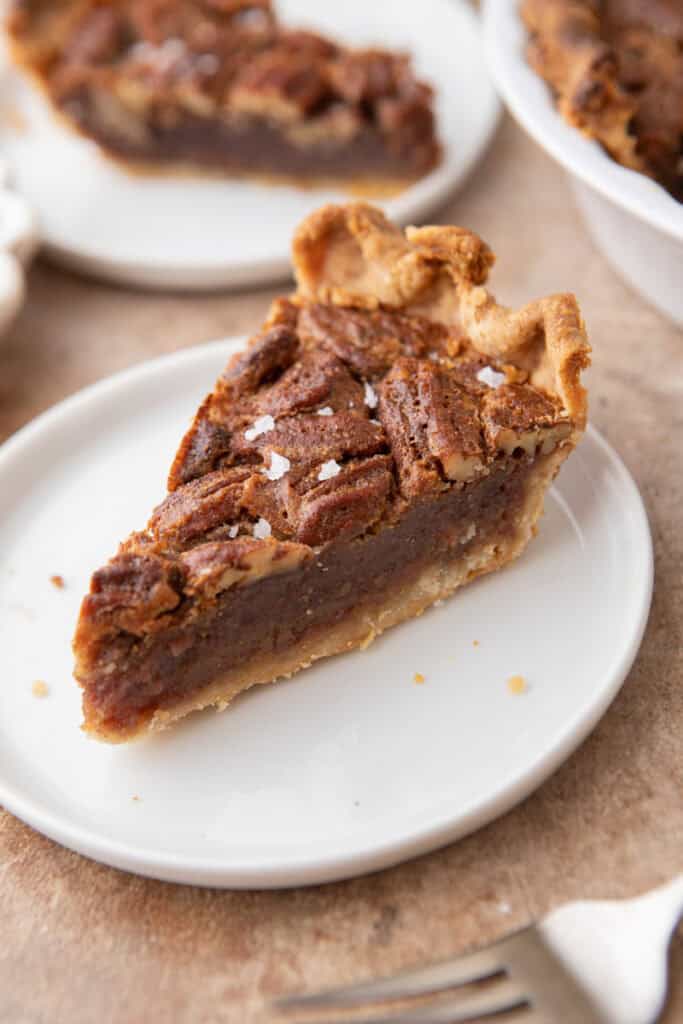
point(260, 426)
point(279, 465)
point(326, 411)
point(161, 57)
point(328, 470)
point(262, 529)
point(487, 375)
point(207, 64)
point(233, 531)
point(370, 396)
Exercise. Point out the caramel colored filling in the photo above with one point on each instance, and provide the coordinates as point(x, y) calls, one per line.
point(276, 612)
point(250, 145)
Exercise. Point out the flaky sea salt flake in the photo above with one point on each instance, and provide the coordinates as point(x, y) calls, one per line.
point(279, 465)
point(487, 375)
point(328, 470)
point(260, 426)
point(262, 529)
point(326, 410)
point(370, 396)
point(233, 531)
point(207, 64)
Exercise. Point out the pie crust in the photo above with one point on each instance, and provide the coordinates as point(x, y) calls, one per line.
point(386, 437)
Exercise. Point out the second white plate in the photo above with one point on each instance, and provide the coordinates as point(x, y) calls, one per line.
point(202, 233)
point(347, 767)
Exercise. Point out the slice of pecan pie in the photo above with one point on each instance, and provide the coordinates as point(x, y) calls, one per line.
point(616, 68)
point(222, 85)
point(387, 436)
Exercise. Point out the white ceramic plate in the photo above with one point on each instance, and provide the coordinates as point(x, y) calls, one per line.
point(634, 220)
point(349, 766)
point(203, 233)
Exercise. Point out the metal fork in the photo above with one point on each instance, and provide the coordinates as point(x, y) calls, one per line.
point(592, 962)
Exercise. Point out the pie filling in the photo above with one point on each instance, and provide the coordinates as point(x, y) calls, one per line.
point(252, 146)
point(385, 437)
point(277, 612)
point(226, 87)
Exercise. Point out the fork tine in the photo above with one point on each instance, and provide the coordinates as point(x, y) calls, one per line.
point(424, 980)
point(500, 997)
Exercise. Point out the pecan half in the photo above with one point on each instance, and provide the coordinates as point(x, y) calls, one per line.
point(346, 505)
point(192, 511)
point(214, 567)
point(202, 448)
point(133, 592)
point(369, 342)
point(516, 416)
point(309, 438)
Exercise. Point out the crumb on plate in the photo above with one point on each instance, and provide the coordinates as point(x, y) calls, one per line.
point(40, 688)
point(12, 118)
point(57, 581)
point(517, 684)
point(418, 678)
point(475, 643)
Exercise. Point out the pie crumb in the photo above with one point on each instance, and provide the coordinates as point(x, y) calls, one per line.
point(136, 798)
point(517, 684)
point(418, 678)
point(12, 118)
point(365, 643)
point(475, 643)
point(40, 688)
point(57, 581)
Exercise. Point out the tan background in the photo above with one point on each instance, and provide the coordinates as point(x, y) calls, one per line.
point(81, 943)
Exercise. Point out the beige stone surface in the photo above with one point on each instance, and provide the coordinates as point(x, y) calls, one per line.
point(82, 943)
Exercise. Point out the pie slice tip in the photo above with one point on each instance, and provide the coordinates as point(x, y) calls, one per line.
point(387, 436)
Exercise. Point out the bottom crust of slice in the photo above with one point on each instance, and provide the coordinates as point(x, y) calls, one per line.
point(364, 623)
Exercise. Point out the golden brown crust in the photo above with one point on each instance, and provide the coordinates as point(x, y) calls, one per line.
point(353, 256)
point(616, 70)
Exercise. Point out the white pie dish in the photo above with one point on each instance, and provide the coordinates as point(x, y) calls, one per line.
point(634, 221)
point(18, 240)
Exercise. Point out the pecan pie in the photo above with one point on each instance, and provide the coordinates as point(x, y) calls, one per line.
point(387, 436)
point(616, 68)
point(222, 85)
